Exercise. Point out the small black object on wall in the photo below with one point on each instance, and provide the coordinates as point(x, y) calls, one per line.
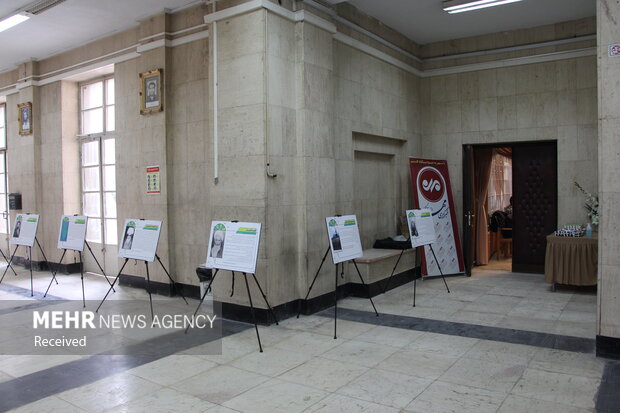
point(15, 202)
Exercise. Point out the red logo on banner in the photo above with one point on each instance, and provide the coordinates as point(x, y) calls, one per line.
point(431, 184)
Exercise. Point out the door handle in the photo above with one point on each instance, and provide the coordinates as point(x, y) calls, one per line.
point(469, 216)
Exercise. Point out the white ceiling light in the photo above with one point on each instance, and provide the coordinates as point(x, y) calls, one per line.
point(11, 21)
point(460, 6)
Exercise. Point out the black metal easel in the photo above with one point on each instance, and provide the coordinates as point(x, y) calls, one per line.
point(336, 287)
point(81, 271)
point(387, 284)
point(148, 283)
point(247, 286)
point(30, 260)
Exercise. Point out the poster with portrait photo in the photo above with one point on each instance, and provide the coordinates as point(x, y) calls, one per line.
point(24, 118)
point(421, 227)
point(25, 229)
point(344, 238)
point(72, 234)
point(151, 95)
point(139, 239)
point(233, 246)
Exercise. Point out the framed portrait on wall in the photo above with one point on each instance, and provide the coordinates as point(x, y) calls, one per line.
point(24, 118)
point(151, 96)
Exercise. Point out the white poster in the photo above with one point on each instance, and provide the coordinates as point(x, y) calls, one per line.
point(421, 227)
point(72, 234)
point(139, 240)
point(344, 238)
point(25, 229)
point(233, 246)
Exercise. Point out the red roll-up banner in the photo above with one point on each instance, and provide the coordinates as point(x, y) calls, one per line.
point(431, 189)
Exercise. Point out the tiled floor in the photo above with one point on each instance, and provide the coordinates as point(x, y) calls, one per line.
point(369, 368)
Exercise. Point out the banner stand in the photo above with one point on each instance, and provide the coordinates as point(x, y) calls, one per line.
point(81, 271)
point(336, 288)
point(30, 260)
point(247, 286)
point(148, 283)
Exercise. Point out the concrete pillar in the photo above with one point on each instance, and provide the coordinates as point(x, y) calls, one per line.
point(608, 33)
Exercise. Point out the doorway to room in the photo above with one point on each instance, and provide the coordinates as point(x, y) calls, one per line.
point(509, 205)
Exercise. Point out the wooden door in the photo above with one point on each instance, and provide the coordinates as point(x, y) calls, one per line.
point(469, 240)
point(535, 209)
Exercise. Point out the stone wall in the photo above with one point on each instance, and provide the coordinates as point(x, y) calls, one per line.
point(609, 172)
point(542, 101)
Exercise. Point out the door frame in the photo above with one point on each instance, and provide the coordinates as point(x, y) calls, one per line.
point(469, 203)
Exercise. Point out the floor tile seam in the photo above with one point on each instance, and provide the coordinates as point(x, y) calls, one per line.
point(363, 365)
point(377, 403)
point(167, 385)
point(470, 387)
point(569, 375)
point(323, 389)
point(561, 403)
point(307, 409)
point(432, 381)
point(66, 401)
point(260, 384)
point(236, 395)
point(543, 333)
point(264, 375)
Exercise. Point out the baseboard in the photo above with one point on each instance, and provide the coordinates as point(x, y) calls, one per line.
point(72, 268)
point(166, 289)
point(242, 313)
point(608, 347)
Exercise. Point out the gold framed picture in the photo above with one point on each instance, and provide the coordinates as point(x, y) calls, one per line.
point(151, 92)
point(24, 118)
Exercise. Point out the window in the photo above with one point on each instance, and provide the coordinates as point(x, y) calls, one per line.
point(98, 160)
point(97, 104)
point(4, 216)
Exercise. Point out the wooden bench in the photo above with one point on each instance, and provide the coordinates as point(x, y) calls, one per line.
point(376, 266)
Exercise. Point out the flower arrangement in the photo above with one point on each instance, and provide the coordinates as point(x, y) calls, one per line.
point(591, 204)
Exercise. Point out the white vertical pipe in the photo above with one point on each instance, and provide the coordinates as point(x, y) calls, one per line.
point(215, 107)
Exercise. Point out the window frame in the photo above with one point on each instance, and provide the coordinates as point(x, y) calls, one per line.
point(103, 80)
point(100, 138)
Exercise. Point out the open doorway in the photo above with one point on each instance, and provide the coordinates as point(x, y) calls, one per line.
point(510, 204)
point(498, 207)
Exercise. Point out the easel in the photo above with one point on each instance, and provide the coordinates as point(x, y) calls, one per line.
point(148, 283)
point(30, 260)
point(387, 284)
point(81, 271)
point(247, 286)
point(336, 287)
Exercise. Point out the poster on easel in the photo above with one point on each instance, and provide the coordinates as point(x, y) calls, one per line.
point(421, 227)
point(233, 246)
point(139, 239)
point(431, 190)
point(25, 229)
point(344, 238)
point(72, 234)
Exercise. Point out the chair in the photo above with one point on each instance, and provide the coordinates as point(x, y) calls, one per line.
point(504, 238)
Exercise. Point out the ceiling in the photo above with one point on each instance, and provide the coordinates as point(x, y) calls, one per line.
point(77, 22)
point(71, 24)
point(424, 21)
